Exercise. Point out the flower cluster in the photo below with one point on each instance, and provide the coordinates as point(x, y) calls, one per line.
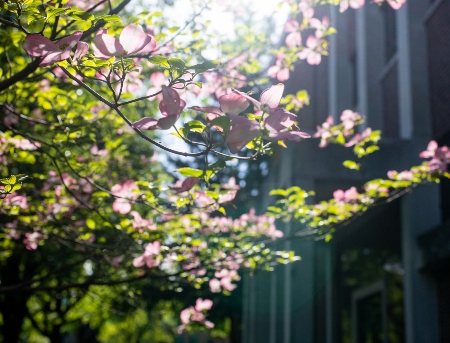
point(196, 314)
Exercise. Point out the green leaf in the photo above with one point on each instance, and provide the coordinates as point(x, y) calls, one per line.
point(281, 192)
point(56, 12)
point(110, 18)
point(190, 172)
point(372, 149)
point(223, 122)
point(16, 187)
point(194, 126)
point(176, 63)
point(159, 60)
point(340, 139)
point(220, 164)
point(11, 181)
point(204, 66)
point(351, 165)
point(90, 223)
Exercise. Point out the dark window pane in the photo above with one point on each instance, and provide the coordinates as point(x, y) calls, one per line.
point(439, 64)
point(389, 91)
point(390, 30)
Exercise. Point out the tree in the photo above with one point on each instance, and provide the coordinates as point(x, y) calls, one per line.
point(87, 209)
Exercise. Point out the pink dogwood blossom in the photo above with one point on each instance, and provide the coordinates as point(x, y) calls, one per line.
point(214, 285)
point(37, 45)
point(347, 196)
point(149, 257)
point(405, 175)
point(294, 37)
point(170, 107)
point(185, 185)
point(278, 123)
point(358, 138)
point(126, 194)
point(312, 52)
point(440, 156)
point(141, 224)
point(324, 132)
point(203, 305)
point(32, 240)
point(395, 4)
point(349, 119)
point(132, 40)
point(196, 314)
point(306, 7)
point(352, 3)
point(279, 71)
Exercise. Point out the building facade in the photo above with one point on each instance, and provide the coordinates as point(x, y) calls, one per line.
point(386, 276)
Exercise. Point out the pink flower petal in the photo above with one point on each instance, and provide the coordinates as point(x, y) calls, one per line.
point(291, 26)
point(233, 103)
point(272, 96)
point(106, 46)
point(82, 49)
point(133, 38)
point(279, 119)
point(37, 45)
point(242, 132)
point(171, 104)
point(293, 39)
point(146, 124)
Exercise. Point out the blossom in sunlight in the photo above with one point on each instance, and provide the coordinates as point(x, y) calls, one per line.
point(25, 144)
point(352, 3)
point(125, 194)
point(37, 45)
point(321, 26)
point(231, 184)
point(81, 50)
point(132, 40)
point(349, 119)
point(186, 185)
point(278, 71)
point(201, 304)
point(95, 151)
point(32, 240)
point(440, 156)
point(278, 123)
point(306, 7)
point(324, 132)
point(214, 285)
point(395, 4)
point(358, 138)
point(294, 37)
point(405, 175)
point(16, 200)
point(140, 224)
point(227, 197)
point(196, 314)
point(347, 196)
point(312, 52)
point(170, 107)
point(150, 257)
point(242, 131)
